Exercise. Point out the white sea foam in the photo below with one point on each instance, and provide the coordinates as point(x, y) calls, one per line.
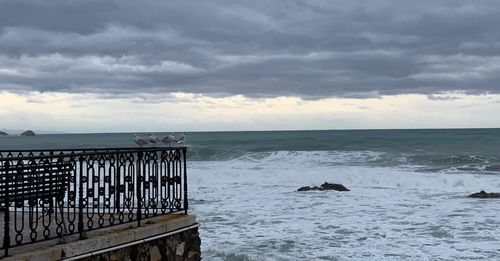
point(249, 209)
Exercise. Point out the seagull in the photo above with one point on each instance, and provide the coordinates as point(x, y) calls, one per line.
point(169, 139)
point(152, 139)
point(181, 139)
point(140, 141)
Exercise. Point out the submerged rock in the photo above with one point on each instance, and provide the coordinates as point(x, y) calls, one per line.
point(483, 194)
point(28, 133)
point(325, 186)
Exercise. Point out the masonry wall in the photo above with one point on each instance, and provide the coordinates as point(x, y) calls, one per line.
point(167, 237)
point(184, 246)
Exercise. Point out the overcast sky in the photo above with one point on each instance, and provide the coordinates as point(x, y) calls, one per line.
point(99, 65)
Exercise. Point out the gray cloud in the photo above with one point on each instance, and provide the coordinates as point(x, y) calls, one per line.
point(433, 97)
point(307, 48)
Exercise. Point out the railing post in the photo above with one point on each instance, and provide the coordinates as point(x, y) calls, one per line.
point(80, 199)
point(6, 217)
point(138, 187)
point(186, 205)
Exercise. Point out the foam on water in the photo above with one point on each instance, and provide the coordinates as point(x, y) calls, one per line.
point(249, 209)
point(408, 198)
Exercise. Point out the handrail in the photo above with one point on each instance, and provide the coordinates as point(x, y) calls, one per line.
point(83, 149)
point(91, 152)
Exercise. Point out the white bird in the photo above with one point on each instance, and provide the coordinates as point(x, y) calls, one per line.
point(152, 139)
point(140, 141)
point(181, 139)
point(169, 139)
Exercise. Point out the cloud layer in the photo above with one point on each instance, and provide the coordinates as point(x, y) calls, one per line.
point(308, 48)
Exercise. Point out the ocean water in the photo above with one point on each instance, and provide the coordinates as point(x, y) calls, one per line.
point(408, 198)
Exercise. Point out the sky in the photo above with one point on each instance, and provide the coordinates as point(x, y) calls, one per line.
point(154, 65)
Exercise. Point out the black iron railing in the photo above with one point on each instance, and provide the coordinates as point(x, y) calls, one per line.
point(47, 194)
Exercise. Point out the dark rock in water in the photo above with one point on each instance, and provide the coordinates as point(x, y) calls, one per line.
point(3, 133)
point(306, 188)
point(331, 186)
point(483, 194)
point(325, 186)
point(28, 133)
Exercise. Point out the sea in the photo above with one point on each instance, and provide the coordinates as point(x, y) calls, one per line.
point(408, 197)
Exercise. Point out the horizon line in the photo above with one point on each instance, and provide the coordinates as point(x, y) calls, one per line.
point(272, 130)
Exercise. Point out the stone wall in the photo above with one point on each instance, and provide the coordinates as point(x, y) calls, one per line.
point(167, 237)
point(178, 247)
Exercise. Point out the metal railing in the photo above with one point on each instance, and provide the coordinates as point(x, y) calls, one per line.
point(106, 187)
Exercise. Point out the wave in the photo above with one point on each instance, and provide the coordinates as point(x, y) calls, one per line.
point(251, 210)
point(297, 169)
point(474, 150)
point(420, 162)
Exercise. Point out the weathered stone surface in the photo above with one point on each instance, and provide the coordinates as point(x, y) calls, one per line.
point(483, 194)
point(28, 133)
point(178, 247)
point(182, 246)
point(325, 186)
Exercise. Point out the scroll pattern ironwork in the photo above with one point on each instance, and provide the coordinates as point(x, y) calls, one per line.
point(106, 187)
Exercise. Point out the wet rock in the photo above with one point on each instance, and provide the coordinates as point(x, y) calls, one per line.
point(483, 194)
point(3, 133)
point(325, 186)
point(306, 188)
point(331, 186)
point(28, 133)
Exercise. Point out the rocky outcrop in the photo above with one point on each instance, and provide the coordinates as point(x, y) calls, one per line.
point(484, 194)
point(325, 186)
point(3, 133)
point(28, 133)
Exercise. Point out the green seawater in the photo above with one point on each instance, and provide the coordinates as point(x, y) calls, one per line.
point(432, 149)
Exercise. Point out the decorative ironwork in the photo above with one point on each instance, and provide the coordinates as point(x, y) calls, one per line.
point(47, 194)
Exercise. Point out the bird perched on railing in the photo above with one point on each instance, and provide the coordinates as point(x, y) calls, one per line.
point(139, 140)
point(169, 139)
point(152, 139)
point(181, 139)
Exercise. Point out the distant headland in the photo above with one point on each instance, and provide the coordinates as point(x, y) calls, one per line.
point(28, 133)
point(17, 132)
point(24, 133)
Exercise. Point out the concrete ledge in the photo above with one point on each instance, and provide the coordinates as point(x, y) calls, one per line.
point(98, 240)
